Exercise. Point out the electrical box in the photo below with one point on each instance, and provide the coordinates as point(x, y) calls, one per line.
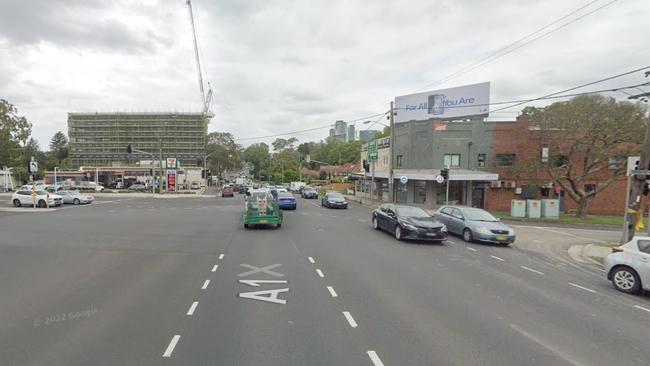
point(551, 208)
point(517, 208)
point(534, 208)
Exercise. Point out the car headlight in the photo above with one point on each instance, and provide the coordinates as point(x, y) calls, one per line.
point(443, 228)
point(483, 230)
point(511, 232)
point(409, 226)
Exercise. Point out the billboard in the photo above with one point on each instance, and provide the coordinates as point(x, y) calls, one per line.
point(462, 101)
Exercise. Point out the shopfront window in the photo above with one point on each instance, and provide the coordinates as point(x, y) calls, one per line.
point(456, 196)
point(420, 194)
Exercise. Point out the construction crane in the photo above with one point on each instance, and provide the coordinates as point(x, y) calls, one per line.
point(206, 99)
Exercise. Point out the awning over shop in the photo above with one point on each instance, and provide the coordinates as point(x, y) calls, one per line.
point(454, 174)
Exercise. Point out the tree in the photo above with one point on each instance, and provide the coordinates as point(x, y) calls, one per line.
point(384, 133)
point(258, 156)
point(582, 135)
point(223, 152)
point(281, 144)
point(59, 146)
point(14, 132)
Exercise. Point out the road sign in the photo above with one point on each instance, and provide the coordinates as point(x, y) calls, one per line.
point(372, 147)
point(404, 179)
point(632, 162)
point(33, 166)
point(440, 179)
point(372, 157)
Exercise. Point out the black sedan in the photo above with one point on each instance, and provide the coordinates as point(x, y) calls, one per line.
point(407, 222)
point(334, 200)
point(309, 193)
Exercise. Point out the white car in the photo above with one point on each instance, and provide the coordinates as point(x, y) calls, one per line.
point(628, 266)
point(43, 199)
point(74, 197)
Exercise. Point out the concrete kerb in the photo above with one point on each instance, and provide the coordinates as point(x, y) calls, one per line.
point(586, 253)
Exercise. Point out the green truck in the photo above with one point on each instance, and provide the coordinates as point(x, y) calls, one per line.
point(261, 209)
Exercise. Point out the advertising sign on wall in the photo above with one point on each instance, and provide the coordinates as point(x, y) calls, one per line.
point(171, 180)
point(462, 101)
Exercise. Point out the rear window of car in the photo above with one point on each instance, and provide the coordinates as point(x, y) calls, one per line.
point(285, 195)
point(334, 195)
point(644, 246)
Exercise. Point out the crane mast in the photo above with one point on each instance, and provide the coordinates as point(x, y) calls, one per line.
point(204, 101)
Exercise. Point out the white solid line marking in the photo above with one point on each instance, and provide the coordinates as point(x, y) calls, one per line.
point(205, 284)
point(214, 269)
point(311, 259)
point(497, 258)
point(642, 308)
point(172, 344)
point(470, 248)
point(220, 256)
point(582, 288)
point(374, 358)
point(532, 270)
point(332, 292)
point(350, 319)
point(192, 308)
point(320, 273)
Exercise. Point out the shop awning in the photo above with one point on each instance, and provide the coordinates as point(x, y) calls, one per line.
point(454, 174)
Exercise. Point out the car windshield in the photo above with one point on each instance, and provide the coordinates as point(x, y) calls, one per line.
point(285, 195)
point(479, 215)
point(407, 211)
point(335, 195)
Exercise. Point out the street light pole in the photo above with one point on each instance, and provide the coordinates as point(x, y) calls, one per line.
point(55, 168)
point(391, 194)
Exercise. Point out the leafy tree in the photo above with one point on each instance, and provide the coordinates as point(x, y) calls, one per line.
point(281, 144)
point(258, 156)
point(384, 133)
point(223, 152)
point(582, 134)
point(14, 132)
point(59, 146)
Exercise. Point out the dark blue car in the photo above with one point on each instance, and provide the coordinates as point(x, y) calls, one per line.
point(286, 201)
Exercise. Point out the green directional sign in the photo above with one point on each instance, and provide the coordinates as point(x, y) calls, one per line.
point(372, 151)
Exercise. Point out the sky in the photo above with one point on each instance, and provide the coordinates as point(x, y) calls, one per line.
point(278, 66)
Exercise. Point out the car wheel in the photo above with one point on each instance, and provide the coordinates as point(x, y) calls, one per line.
point(279, 225)
point(625, 279)
point(375, 224)
point(42, 204)
point(398, 232)
point(75, 201)
point(246, 226)
point(16, 203)
point(467, 235)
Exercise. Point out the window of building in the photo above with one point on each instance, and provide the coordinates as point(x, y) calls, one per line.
point(480, 160)
point(590, 188)
point(545, 154)
point(399, 161)
point(505, 159)
point(451, 160)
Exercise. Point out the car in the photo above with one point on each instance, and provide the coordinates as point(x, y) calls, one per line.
point(475, 224)
point(42, 198)
point(242, 189)
point(334, 199)
point(74, 197)
point(309, 192)
point(286, 200)
point(227, 191)
point(628, 265)
point(195, 185)
point(261, 209)
point(137, 187)
point(408, 222)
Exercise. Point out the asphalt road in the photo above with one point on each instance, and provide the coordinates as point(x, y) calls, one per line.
point(179, 281)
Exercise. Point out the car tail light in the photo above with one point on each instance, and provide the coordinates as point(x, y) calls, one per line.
point(617, 250)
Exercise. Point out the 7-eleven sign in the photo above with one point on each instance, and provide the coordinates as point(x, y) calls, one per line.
point(172, 163)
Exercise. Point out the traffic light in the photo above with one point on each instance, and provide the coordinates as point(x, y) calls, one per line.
point(202, 173)
point(366, 166)
point(444, 173)
point(129, 149)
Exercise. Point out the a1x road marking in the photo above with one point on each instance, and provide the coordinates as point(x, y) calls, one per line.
point(265, 270)
point(272, 295)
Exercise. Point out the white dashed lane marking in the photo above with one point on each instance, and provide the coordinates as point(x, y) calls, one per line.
point(350, 319)
point(497, 258)
point(205, 284)
point(192, 308)
point(221, 256)
point(376, 361)
point(214, 268)
point(470, 248)
point(311, 259)
point(332, 292)
point(642, 308)
point(582, 288)
point(532, 270)
point(320, 273)
point(172, 344)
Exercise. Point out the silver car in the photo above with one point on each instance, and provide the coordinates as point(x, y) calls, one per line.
point(628, 266)
point(74, 197)
point(475, 224)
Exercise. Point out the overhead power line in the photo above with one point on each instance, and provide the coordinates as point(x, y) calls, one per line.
point(518, 43)
point(308, 129)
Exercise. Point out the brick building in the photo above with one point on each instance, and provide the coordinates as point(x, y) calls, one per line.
point(514, 143)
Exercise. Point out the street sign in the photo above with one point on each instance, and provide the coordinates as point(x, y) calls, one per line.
point(171, 163)
point(33, 166)
point(404, 179)
point(632, 162)
point(440, 179)
point(372, 157)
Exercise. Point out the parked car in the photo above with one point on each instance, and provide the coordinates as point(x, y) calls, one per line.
point(43, 199)
point(333, 199)
point(195, 185)
point(475, 224)
point(74, 197)
point(286, 200)
point(261, 209)
point(408, 222)
point(137, 187)
point(628, 265)
point(227, 191)
point(309, 192)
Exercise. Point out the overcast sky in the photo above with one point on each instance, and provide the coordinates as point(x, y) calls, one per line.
point(286, 65)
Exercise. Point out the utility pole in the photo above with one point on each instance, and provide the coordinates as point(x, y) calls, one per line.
point(161, 169)
point(372, 183)
point(391, 193)
point(633, 212)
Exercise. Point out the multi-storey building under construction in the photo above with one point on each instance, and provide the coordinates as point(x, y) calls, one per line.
point(101, 139)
